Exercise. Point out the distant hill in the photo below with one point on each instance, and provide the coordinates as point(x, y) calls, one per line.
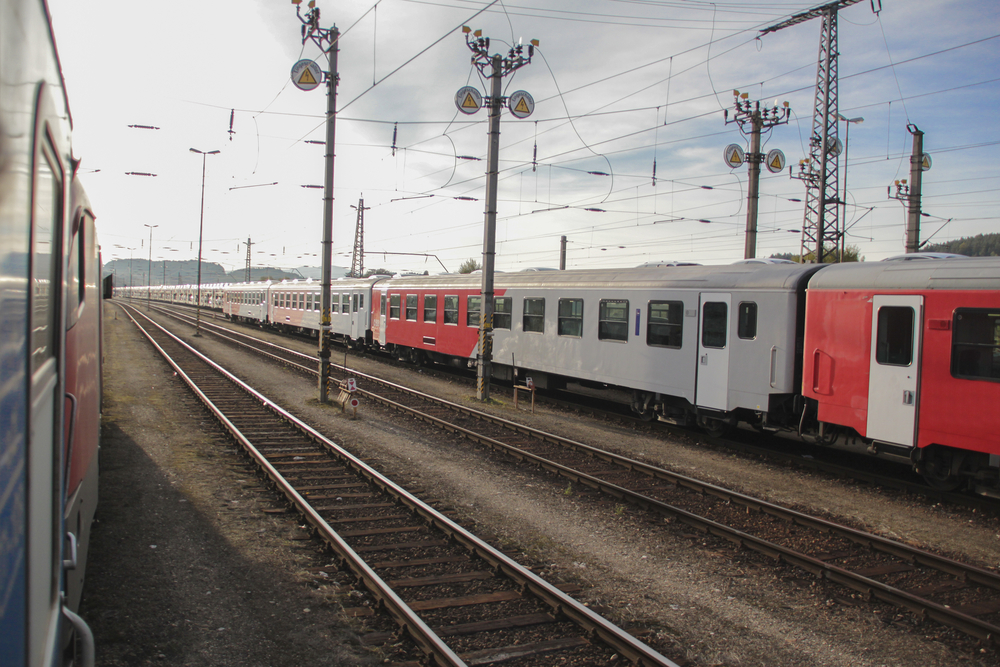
point(186, 272)
point(981, 245)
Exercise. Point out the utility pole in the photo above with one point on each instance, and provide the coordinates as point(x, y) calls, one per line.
point(910, 192)
point(201, 236)
point(327, 40)
point(562, 253)
point(916, 176)
point(246, 275)
point(358, 258)
point(149, 273)
point(820, 223)
point(494, 68)
point(757, 120)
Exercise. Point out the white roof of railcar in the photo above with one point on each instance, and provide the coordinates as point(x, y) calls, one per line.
point(973, 273)
point(702, 278)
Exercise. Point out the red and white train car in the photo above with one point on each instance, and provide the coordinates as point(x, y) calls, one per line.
point(907, 355)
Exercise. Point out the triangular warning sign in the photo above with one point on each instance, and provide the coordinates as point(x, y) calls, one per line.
point(469, 102)
point(522, 106)
point(734, 159)
point(926, 163)
point(307, 77)
point(776, 163)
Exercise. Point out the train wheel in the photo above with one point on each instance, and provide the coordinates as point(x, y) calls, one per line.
point(715, 428)
point(937, 470)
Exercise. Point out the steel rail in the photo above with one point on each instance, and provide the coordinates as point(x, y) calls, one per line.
point(562, 604)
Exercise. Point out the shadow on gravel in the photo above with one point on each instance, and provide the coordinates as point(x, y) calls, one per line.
point(166, 587)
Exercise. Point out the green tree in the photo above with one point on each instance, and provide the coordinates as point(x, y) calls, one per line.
point(381, 272)
point(470, 265)
point(852, 253)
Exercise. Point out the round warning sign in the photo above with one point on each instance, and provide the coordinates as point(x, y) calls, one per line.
point(521, 104)
point(775, 161)
point(468, 100)
point(926, 162)
point(306, 75)
point(734, 156)
point(834, 146)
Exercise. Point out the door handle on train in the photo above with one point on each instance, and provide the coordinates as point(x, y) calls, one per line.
point(774, 359)
point(907, 397)
point(816, 354)
point(70, 563)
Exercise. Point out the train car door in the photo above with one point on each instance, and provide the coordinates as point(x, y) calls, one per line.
point(894, 367)
point(712, 387)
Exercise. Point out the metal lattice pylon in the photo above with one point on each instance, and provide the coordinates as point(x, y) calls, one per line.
point(358, 257)
point(822, 234)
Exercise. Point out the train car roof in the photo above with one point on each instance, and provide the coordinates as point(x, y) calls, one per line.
point(973, 273)
point(702, 278)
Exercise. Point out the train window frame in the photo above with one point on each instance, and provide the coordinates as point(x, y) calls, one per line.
point(381, 309)
point(570, 317)
point(674, 330)
point(430, 308)
point(891, 352)
point(707, 333)
point(43, 339)
point(746, 323)
point(502, 312)
point(610, 328)
point(451, 304)
point(410, 308)
point(394, 306)
point(355, 302)
point(473, 314)
point(536, 319)
point(960, 368)
point(76, 276)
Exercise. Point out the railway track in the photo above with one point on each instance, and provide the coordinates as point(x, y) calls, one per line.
point(955, 594)
point(460, 601)
point(861, 468)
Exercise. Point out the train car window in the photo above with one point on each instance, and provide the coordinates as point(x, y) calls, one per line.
point(975, 344)
point(309, 301)
point(75, 276)
point(44, 266)
point(451, 309)
point(381, 308)
point(361, 301)
point(473, 311)
point(714, 316)
point(533, 318)
point(665, 324)
point(411, 307)
point(894, 342)
point(613, 320)
point(570, 317)
point(501, 312)
point(393, 306)
point(746, 327)
point(430, 308)
point(354, 302)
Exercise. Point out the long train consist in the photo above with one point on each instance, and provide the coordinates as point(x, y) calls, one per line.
point(50, 354)
point(903, 356)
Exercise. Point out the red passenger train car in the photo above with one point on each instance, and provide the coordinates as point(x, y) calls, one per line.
point(907, 355)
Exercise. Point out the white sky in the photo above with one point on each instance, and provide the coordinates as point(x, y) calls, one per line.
point(640, 79)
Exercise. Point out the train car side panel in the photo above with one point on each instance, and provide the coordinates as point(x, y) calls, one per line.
point(960, 384)
point(836, 357)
